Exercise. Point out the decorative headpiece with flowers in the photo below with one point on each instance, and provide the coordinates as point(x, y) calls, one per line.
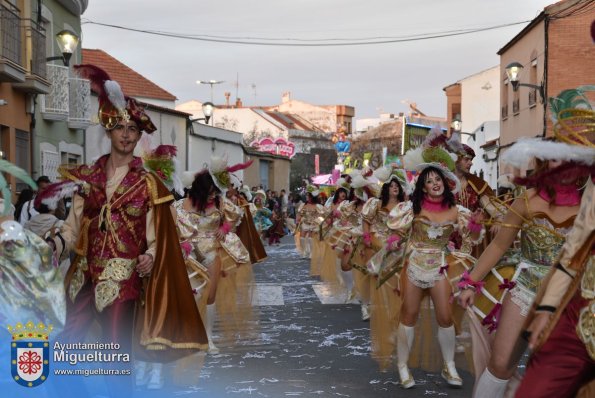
point(163, 162)
point(219, 171)
point(114, 106)
point(433, 152)
point(385, 174)
point(312, 190)
point(363, 188)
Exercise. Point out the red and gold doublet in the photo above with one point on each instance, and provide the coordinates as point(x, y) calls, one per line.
point(113, 234)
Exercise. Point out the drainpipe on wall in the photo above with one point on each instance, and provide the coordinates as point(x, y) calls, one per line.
point(33, 136)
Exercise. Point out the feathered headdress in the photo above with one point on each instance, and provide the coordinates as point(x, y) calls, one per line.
point(246, 191)
point(163, 162)
point(9, 168)
point(52, 194)
point(574, 130)
point(313, 190)
point(114, 106)
point(363, 188)
point(260, 194)
point(385, 174)
point(219, 171)
point(433, 152)
point(342, 183)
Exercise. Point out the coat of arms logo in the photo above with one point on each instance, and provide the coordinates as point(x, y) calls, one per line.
point(30, 353)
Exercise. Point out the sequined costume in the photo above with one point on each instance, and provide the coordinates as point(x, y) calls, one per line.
point(425, 248)
point(112, 222)
point(32, 286)
point(564, 359)
point(200, 231)
point(541, 242)
point(308, 215)
point(262, 219)
point(347, 227)
point(384, 301)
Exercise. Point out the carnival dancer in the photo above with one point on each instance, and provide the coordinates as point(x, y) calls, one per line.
point(344, 237)
point(307, 214)
point(206, 223)
point(262, 215)
point(475, 193)
point(420, 246)
point(277, 230)
point(384, 302)
point(247, 230)
point(561, 330)
point(544, 215)
point(324, 262)
point(126, 274)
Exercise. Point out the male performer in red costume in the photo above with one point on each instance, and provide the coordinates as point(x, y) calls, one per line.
point(128, 274)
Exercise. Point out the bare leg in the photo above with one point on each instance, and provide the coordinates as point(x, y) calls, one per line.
point(507, 349)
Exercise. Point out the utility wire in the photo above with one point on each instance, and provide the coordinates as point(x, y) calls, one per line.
point(270, 42)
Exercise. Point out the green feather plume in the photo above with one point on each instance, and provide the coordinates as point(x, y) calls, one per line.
point(570, 99)
point(438, 155)
point(9, 168)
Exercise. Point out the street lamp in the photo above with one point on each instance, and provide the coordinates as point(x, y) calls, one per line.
point(513, 71)
point(207, 110)
point(457, 125)
point(67, 41)
point(211, 83)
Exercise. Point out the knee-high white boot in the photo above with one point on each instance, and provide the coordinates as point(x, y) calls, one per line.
point(404, 344)
point(308, 251)
point(348, 278)
point(303, 244)
point(209, 328)
point(446, 338)
point(339, 272)
point(489, 386)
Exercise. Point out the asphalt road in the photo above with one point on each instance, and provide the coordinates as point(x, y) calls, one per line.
point(302, 348)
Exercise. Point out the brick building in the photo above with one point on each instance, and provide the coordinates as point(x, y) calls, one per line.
point(556, 51)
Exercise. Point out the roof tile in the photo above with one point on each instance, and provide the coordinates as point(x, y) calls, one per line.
point(133, 83)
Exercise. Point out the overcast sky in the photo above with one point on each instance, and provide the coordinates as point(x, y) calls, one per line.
point(372, 78)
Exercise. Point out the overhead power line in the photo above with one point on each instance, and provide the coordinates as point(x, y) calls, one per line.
point(328, 42)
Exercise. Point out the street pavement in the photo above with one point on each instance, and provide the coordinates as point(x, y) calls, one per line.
point(305, 344)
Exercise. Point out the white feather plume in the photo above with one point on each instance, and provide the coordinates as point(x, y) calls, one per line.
point(66, 190)
point(218, 164)
point(187, 178)
point(413, 158)
point(178, 186)
point(115, 94)
point(359, 182)
point(382, 173)
point(526, 149)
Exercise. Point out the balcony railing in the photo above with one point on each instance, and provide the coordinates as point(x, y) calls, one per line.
point(10, 33)
point(38, 62)
point(532, 97)
point(504, 111)
point(516, 106)
point(80, 104)
point(55, 105)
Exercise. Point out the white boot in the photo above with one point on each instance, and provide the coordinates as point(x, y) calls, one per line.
point(303, 244)
point(365, 311)
point(140, 373)
point(489, 386)
point(155, 377)
point(308, 251)
point(348, 278)
point(209, 329)
point(447, 340)
point(339, 272)
point(404, 344)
